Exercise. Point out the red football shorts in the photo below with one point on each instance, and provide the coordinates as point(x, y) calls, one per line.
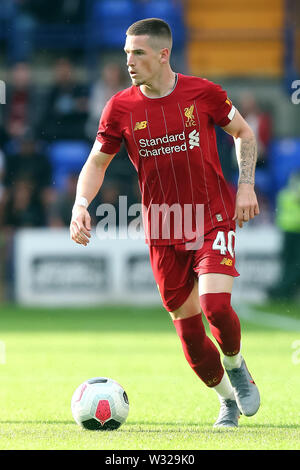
point(175, 267)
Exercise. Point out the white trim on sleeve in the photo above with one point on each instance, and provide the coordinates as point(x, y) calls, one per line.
point(97, 146)
point(231, 113)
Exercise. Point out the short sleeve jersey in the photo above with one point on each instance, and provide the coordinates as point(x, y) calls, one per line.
point(171, 142)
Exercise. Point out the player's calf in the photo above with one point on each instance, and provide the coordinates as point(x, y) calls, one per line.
point(200, 352)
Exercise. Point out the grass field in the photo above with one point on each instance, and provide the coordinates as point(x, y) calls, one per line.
point(50, 352)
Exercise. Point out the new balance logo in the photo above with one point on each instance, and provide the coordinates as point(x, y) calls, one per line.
point(140, 125)
point(194, 140)
point(226, 261)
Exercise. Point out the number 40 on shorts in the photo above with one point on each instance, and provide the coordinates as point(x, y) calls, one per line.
point(221, 245)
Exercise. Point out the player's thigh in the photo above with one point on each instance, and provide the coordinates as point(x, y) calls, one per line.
point(206, 284)
point(190, 307)
point(214, 262)
point(212, 283)
point(174, 276)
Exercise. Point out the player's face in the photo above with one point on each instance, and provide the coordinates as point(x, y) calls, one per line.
point(143, 61)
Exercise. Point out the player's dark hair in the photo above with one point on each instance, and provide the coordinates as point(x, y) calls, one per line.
point(154, 27)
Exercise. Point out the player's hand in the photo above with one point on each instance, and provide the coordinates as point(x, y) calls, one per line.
point(246, 205)
point(80, 225)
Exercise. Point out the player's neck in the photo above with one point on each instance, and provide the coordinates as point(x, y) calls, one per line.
point(160, 86)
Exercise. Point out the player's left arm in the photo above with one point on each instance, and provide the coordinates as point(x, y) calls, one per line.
point(246, 206)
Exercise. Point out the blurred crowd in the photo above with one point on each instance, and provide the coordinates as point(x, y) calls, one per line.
point(66, 111)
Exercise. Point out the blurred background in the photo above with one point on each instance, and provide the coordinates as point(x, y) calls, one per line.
point(61, 62)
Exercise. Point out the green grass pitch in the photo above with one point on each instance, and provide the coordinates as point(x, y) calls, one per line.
point(49, 352)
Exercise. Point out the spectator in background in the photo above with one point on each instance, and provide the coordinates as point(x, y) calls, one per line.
point(30, 163)
point(19, 111)
point(66, 107)
point(288, 220)
point(110, 82)
point(30, 171)
point(23, 206)
point(261, 124)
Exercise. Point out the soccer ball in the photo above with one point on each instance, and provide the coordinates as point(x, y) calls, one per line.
point(100, 404)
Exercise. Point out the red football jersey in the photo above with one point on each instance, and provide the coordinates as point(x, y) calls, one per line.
point(171, 142)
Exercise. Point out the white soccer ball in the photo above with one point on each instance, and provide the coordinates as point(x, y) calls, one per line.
point(100, 404)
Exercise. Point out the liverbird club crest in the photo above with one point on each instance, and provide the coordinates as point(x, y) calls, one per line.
point(189, 114)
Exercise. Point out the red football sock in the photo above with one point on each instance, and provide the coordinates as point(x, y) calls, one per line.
point(200, 352)
point(223, 321)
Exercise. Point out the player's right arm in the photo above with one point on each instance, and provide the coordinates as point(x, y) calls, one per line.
point(89, 182)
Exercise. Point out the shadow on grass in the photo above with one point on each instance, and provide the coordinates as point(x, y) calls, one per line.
point(179, 426)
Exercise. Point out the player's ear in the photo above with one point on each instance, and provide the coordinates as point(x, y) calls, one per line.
point(164, 55)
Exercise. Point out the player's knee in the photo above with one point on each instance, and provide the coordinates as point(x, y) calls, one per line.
point(190, 328)
point(216, 307)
